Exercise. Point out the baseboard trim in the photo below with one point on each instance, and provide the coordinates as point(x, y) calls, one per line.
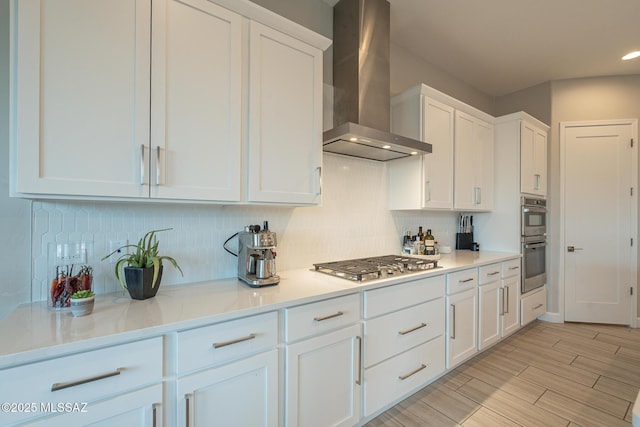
point(552, 317)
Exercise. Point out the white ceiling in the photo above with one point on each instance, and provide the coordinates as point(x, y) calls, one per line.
point(501, 46)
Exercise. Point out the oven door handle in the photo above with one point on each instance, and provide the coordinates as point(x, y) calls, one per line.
point(535, 245)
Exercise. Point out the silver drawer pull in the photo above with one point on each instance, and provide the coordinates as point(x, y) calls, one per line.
point(408, 331)
point(187, 408)
point(466, 280)
point(154, 408)
point(61, 386)
point(331, 316)
point(415, 371)
point(236, 341)
point(493, 273)
point(514, 268)
point(537, 306)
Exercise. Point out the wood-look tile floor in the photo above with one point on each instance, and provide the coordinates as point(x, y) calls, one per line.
point(546, 374)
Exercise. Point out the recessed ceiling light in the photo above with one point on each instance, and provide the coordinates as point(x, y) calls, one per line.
point(353, 139)
point(631, 55)
point(386, 147)
point(413, 153)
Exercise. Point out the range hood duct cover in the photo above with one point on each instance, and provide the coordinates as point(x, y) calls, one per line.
point(361, 80)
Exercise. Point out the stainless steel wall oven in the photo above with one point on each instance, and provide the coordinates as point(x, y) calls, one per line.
point(534, 243)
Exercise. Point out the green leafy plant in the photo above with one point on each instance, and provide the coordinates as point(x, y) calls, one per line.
point(82, 294)
point(145, 255)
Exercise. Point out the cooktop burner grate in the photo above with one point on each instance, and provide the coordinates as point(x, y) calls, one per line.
point(372, 268)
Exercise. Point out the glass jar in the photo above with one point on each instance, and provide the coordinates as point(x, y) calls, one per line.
point(70, 269)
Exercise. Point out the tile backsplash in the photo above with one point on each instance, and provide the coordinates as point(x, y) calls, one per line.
point(353, 221)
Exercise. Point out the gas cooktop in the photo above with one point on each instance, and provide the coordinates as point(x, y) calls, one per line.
point(363, 269)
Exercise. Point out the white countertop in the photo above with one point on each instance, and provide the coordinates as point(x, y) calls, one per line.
point(32, 331)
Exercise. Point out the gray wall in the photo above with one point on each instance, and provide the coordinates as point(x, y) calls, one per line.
point(535, 100)
point(603, 98)
point(15, 214)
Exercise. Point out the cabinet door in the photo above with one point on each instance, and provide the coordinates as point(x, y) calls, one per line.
point(285, 118)
point(438, 131)
point(489, 321)
point(533, 159)
point(510, 305)
point(140, 408)
point(323, 381)
point(195, 101)
point(81, 97)
point(243, 393)
point(473, 163)
point(462, 336)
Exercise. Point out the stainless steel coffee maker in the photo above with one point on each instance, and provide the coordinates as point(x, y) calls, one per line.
point(257, 256)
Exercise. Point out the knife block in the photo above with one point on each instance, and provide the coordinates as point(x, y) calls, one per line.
point(464, 240)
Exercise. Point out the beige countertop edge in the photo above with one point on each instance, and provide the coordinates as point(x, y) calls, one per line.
point(32, 332)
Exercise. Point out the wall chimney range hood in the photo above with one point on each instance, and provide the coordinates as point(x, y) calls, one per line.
point(361, 80)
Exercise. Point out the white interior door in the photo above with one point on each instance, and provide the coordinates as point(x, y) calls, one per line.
point(599, 173)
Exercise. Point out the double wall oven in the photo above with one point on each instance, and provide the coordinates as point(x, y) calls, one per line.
point(534, 243)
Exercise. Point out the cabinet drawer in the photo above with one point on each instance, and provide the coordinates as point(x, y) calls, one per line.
point(217, 343)
point(533, 305)
point(511, 268)
point(402, 374)
point(489, 273)
point(462, 280)
point(321, 316)
point(396, 297)
point(396, 332)
point(83, 377)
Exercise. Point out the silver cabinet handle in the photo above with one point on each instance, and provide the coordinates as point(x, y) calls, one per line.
point(154, 409)
point(428, 190)
point(331, 316)
point(408, 331)
point(359, 380)
point(235, 341)
point(141, 164)
point(493, 273)
point(507, 291)
point(514, 268)
point(537, 307)
point(573, 249)
point(319, 180)
point(477, 195)
point(187, 400)
point(466, 280)
point(501, 301)
point(415, 371)
point(453, 322)
point(537, 176)
point(158, 172)
point(61, 386)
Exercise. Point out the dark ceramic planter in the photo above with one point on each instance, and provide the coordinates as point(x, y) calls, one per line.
point(139, 282)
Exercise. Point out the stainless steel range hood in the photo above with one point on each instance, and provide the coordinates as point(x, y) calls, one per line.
point(361, 80)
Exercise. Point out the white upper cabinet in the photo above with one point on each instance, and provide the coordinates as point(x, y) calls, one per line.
point(80, 97)
point(285, 118)
point(423, 182)
point(473, 163)
point(111, 100)
point(533, 159)
point(195, 101)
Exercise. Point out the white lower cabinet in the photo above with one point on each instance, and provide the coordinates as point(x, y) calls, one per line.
point(242, 393)
point(323, 359)
point(100, 378)
point(139, 408)
point(404, 340)
point(532, 305)
point(510, 298)
point(324, 377)
point(462, 316)
point(225, 368)
point(489, 309)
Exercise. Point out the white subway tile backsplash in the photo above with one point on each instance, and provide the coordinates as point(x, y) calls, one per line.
point(353, 221)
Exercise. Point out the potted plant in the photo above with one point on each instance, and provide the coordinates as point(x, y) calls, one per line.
point(140, 272)
point(82, 303)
